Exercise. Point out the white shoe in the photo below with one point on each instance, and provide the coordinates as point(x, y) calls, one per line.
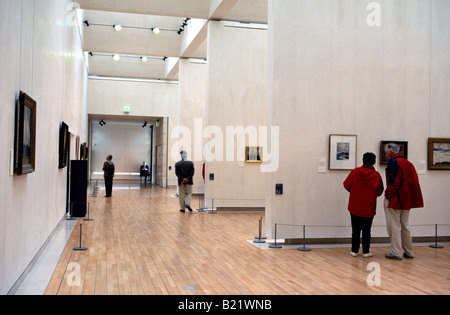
point(353, 254)
point(367, 255)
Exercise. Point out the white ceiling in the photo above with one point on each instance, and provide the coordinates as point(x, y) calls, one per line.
point(136, 39)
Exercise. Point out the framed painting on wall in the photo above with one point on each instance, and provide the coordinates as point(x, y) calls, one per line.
point(342, 152)
point(25, 135)
point(253, 154)
point(64, 141)
point(439, 153)
point(403, 145)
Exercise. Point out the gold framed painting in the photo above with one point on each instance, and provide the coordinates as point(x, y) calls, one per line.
point(439, 153)
point(253, 154)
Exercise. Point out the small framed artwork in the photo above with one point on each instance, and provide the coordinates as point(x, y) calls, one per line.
point(25, 135)
point(403, 145)
point(253, 154)
point(342, 152)
point(439, 153)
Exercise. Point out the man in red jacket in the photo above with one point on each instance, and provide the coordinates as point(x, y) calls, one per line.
point(402, 194)
point(365, 185)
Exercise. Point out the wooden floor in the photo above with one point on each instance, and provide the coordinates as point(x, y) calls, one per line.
point(139, 243)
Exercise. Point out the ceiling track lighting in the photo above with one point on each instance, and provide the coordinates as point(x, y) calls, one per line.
point(102, 123)
point(145, 124)
point(118, 57)
point(119, 27)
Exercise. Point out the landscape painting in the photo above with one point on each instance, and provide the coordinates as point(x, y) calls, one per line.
point(439, 154)
point(342, 153)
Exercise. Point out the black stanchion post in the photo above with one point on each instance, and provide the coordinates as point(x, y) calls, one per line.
point(88, 218)
point(275, 245)
point(259, 239)
point(70, 217)
point(436, 245)
point(212, 208)
point(80, 248)
point(200, 207)
point(304, 248)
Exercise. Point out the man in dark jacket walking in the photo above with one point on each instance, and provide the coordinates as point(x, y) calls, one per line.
point(185, 171)
point(402, 194)
point(364, 185)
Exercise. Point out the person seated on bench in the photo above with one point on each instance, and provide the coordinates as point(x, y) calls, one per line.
point(145, 171)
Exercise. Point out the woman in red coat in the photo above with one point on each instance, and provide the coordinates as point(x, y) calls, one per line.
point(365, 185)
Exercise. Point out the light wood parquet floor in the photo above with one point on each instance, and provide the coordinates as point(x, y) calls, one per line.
point(139, 243)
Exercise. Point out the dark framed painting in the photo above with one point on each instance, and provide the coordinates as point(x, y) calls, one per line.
point(25, 135)
point(403, 145)
point(253, 154)
point(64, 141)
point(342, 152)
point(439, 153)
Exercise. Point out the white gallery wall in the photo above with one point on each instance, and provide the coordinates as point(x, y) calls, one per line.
point(192, 117)
point(128, 143)
point(41, 55)
point(236, 101)
point(333, 70)
point(146, 99)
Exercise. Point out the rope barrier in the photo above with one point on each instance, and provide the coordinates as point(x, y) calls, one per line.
point(304, 248)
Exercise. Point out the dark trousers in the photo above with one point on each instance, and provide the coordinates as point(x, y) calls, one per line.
point(361, 224)
point(108, 185)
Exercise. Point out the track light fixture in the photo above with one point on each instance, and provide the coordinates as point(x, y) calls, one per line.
point(145, 124)
point(102, 123)
point(117, 27)
point(86, 22)
point(185, 23)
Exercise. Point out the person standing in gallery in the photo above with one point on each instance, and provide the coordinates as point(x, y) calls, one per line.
point(403, 193)
point(108, 174)
point(185, 171)
point(365, 185)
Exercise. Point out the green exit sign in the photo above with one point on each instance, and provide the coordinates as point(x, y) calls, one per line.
point(126, 109)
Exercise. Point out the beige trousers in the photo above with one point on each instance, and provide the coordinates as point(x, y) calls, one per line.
point(185, 192)
point(397, 222)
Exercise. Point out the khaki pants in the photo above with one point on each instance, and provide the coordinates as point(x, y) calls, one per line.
point(397, 222)
point(185, 192)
